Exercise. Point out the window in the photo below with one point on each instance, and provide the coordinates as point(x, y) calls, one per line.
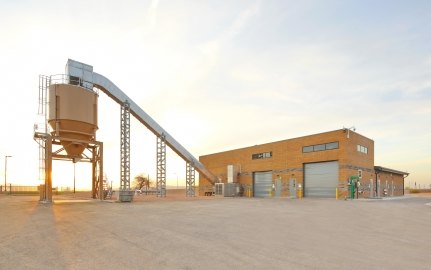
point(362, 149)
point(261, 155)
point(332, 145)
point(307, 149)
point(320, 147)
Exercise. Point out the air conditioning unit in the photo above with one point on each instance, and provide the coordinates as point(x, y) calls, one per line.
point(226, 189)
point(219, 189)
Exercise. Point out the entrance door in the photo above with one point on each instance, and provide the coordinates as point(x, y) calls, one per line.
point(292, 187)
point(278, 188)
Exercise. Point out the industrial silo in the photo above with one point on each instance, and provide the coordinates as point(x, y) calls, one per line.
point(73, 116)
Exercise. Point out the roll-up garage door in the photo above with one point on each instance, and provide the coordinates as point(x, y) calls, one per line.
point(321, 179)
point(262, 184)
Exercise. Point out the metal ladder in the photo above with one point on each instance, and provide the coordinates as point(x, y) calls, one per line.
point(41, 127)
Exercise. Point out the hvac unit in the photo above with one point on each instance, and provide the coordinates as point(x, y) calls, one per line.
point(227, 189)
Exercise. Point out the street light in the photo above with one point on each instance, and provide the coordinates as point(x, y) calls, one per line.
point(5, 171)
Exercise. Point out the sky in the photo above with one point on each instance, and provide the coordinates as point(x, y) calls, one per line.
point(220, 75)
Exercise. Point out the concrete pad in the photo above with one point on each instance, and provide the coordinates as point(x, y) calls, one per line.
point(229, 233)
point(71, 201)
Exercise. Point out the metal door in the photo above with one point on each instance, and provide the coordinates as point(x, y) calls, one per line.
point(278, 188)
point(321, 179)
point(292, 187)
point(262, 184)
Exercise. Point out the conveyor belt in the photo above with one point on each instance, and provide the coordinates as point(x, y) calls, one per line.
point(85, 73)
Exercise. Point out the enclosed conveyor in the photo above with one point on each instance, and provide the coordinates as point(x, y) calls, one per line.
point(84, 74)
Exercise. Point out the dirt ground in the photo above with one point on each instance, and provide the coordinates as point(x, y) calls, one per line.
point(215, 233)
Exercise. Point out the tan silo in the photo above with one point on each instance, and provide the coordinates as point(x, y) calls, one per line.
point(73, 116)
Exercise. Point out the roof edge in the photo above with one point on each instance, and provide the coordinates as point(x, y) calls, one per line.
point(384, 169)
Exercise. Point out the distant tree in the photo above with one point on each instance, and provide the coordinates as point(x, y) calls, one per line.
point(140, 181)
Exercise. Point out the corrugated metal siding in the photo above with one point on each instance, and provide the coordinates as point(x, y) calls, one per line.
point(321, 179)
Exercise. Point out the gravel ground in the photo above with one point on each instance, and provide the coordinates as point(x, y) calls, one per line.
point(217, 233)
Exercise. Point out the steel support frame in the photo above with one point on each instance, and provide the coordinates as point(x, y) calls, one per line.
point(97, 171)
point(161, 166)
point(190, 180)
point(47, 195)
point(46, 143)
point(125, 147)
point(96, 160)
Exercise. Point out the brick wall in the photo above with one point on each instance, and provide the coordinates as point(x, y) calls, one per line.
point(288, 159)
point(393, 183)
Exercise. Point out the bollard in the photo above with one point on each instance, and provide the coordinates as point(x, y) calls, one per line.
point(300, 194)
point(336, 193)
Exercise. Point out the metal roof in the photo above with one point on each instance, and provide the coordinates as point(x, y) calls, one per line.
point(383, 169)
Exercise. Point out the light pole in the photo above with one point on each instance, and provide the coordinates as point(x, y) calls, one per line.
point(5, 171)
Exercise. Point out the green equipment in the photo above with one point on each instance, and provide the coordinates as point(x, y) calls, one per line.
point(352, 185)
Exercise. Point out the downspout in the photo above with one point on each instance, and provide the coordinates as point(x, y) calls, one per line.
point(375, 186)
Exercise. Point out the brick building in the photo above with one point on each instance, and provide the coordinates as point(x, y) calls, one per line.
point(318, 165)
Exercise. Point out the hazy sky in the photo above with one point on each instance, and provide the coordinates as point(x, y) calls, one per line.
point(219, 75)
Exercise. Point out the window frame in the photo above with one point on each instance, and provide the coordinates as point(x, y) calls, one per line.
point(320, 147)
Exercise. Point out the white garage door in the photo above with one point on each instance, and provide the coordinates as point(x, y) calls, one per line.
point(262, 184)
point(321, 179)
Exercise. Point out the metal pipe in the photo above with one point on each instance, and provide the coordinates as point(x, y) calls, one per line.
point(377, 174)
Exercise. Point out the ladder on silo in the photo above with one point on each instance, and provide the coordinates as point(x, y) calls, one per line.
point(41, 126)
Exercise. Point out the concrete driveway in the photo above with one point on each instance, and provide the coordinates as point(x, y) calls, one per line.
point(225, 233)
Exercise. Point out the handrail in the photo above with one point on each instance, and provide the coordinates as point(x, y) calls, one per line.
point(67, 79)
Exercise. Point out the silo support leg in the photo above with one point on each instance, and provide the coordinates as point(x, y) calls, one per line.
point(48, 170)
point(100, 171)
point(94, 175)
point(97, 171)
